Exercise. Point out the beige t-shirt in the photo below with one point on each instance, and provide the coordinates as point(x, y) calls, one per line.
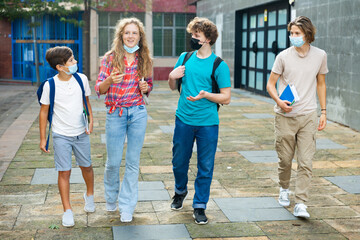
point(302, 72)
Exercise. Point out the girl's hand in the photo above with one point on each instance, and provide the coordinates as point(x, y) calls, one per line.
point(116, 77)
point(143, 86)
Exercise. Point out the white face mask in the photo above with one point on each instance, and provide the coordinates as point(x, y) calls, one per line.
point(72, 69)
point(131, 50)
point(297, 41)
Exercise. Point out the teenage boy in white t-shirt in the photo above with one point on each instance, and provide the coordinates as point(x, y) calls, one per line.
point(68, 127)
point(304, 66)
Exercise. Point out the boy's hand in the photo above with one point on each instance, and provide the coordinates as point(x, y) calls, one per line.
point(91, 127)
point(285, 105)
point(43, 146)
point(322, 122)
point(198, 97)
point(177, 73)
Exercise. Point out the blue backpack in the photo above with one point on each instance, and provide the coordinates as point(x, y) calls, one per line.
point(52, 99)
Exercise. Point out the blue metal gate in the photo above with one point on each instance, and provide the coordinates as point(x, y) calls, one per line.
point(50, 33)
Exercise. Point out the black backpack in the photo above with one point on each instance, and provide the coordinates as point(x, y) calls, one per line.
point(215, 87)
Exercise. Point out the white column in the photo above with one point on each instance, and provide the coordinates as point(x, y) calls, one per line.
point(94, 45)
point(149, 25)
point(218, 43)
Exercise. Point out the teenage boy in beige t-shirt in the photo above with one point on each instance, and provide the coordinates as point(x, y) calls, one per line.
point(303, 66)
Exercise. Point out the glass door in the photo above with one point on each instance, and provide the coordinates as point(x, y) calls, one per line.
point(261, 33)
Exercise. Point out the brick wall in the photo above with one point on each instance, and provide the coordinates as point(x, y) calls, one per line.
point(5, 50)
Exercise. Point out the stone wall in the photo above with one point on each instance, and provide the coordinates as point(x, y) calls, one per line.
point(338, 33)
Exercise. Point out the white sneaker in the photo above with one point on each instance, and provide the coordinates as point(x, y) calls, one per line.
point(126, 217)
point(89, 203)
point(300, 211)
point(111, 207)
point(68, 219)
point(284, 197)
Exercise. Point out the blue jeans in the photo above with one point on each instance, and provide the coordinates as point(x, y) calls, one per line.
point(132, 124)
point(183, 141)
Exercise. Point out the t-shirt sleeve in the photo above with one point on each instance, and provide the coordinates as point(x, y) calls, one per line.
point(45, 96)
point(222, 75)
point(180, 60)
point(278, 66)
point(323, 68)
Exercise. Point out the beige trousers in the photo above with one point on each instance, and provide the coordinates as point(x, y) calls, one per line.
point(296, 133)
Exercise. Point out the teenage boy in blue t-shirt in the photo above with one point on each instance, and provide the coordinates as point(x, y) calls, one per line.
point(197, 116)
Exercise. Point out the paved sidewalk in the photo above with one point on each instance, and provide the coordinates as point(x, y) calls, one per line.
point(243, 195)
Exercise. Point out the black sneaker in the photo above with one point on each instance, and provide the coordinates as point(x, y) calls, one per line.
point(199, 215)
point(177, 203)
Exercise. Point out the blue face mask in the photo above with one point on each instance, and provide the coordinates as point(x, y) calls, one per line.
point(131, 50)
point(297, 41)
point(72, 69)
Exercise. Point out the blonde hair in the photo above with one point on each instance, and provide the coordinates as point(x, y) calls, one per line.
point(117, 48)
point(205, 26)
point(305, 26)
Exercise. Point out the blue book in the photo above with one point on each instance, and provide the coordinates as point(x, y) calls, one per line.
point(290, 94)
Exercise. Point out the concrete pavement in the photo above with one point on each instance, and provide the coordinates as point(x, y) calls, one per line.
point(245, 173)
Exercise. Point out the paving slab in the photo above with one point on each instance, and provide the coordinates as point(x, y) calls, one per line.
point(325, 143)
point(167, 129)
point(50, 176)
point(95, 97)
point(150, 232)
point(99, 109)
point(241, 104)
point(253, 209)
point(257, 115)
point(263, 156)
point(351, 184)
point(223, 230)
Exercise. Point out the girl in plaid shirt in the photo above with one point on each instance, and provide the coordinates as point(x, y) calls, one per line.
point(121, 72)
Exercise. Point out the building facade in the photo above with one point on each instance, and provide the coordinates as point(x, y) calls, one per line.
point(165, 25)
point(252, 32)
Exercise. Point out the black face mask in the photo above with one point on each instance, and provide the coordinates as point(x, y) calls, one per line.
point(194, 44)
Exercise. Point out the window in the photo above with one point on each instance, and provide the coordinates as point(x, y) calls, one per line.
point(107, 25)
point(169, 33)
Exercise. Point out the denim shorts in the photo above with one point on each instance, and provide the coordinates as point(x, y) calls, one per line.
point(63, 148)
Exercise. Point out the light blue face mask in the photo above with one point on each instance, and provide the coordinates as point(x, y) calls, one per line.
point(297, 41)
point(131, 50)
point(72, 69)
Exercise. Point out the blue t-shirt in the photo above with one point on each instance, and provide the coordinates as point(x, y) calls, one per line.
point(198, 77)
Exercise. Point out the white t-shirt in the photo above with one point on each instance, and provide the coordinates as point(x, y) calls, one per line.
point(68, 105)
point(302, 72)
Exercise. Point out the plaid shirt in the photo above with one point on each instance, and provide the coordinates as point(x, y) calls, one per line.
point(126, 93)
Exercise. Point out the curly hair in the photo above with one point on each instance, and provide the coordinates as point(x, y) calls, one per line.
point(305, 26)
point(117, 48)
point(205, 26)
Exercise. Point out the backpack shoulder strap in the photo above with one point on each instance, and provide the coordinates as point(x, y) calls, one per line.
point(78, 79)
point(51, 82)
point(186, 58)
point(216, 64)
point(215, 86)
